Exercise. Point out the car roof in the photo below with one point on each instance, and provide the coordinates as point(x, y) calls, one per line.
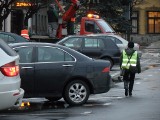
point(6, 48)
point(81, 36)
point(15, 36)
point(113, 35)
point(102, 34)
point(7, 53)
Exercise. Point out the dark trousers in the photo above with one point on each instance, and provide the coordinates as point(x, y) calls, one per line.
point(128, 79)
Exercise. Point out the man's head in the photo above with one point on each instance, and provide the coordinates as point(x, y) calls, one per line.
point(130, 44)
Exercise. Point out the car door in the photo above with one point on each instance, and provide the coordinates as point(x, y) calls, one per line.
point(26, 54)
point(53, 67)
point(93, 47)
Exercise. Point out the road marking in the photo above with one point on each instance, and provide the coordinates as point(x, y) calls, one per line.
point(115, 74)
point(47, 114)
point(138, 83)
point(117, 97)
point(97, 104)
point(85, 113)
point(107, 104)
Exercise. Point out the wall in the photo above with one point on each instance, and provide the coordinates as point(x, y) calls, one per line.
point(142, 37)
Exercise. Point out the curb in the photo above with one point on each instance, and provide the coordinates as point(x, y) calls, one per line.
point(118, 78)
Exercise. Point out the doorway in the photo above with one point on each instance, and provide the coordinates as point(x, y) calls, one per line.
point(17, 18)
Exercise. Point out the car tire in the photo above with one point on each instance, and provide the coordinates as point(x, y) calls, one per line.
point(53, 98)
point(111, 62)
point(76, 93)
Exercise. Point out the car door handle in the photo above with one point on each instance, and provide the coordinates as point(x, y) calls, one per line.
point(26, 67)
point(67, 65)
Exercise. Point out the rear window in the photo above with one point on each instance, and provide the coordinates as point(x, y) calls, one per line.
point(7, 48)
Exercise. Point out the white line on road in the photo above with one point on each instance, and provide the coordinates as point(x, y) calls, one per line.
point(138, 83)
point(98, 98)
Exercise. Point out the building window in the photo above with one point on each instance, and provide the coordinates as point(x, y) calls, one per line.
point(134, 19)
point(153, 22)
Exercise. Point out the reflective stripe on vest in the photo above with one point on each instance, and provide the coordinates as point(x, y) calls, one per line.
point(133, 60)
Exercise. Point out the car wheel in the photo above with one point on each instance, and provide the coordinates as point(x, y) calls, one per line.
point(76, 92)
point(111, 62)
point(53, 98)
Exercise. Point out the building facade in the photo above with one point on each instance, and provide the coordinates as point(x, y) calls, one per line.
point(37, 24)
point(145, 19)
point(146, 22)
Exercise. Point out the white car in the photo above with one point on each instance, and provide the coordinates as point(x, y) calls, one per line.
point(10, 92)
point(121, 42)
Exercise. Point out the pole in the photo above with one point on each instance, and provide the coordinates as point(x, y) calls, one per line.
point(129, 20)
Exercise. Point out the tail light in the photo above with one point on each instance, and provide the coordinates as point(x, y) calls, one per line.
point(106, 69)
point(10, 69)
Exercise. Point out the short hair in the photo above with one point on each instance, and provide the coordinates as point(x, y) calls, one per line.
point(130, 44)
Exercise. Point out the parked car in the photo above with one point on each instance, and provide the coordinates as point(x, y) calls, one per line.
point(121, 42)
point(9, 37)
point(95, 47)
point(10, 92)
point(54, 71)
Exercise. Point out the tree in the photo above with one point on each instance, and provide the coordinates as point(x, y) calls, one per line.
point(5, 9)
point(36, 5)
point(112, 11)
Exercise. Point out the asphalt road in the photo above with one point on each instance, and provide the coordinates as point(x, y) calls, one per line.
point(143, 105)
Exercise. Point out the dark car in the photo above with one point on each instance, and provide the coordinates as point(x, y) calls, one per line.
point(120, 41)
point(54, 71)
point(9, 37)
point(95, 47)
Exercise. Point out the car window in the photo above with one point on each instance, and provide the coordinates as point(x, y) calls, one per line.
point(117, 41)
point(75, 42)
point(91, 26)
point(7, 38)
point(91, 42)
point(25, 54)
point(97, 29)
point(49, 54)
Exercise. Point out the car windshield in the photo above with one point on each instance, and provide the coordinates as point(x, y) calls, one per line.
point(106, 26)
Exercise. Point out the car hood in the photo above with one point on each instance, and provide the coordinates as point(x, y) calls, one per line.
point(6, 58)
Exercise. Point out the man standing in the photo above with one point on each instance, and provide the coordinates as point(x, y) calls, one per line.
point(52, 21)
point(129, 59)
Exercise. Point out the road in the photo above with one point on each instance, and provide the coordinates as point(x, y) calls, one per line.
point(143, 105)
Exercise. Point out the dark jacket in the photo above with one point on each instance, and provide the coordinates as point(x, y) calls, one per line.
point(52, 15)
point(130, 51)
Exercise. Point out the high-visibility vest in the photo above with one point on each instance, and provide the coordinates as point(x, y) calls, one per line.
point(24, 33)
point(132, 62)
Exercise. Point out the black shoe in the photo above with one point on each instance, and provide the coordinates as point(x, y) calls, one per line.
point(130, 93)
point(126, 92)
